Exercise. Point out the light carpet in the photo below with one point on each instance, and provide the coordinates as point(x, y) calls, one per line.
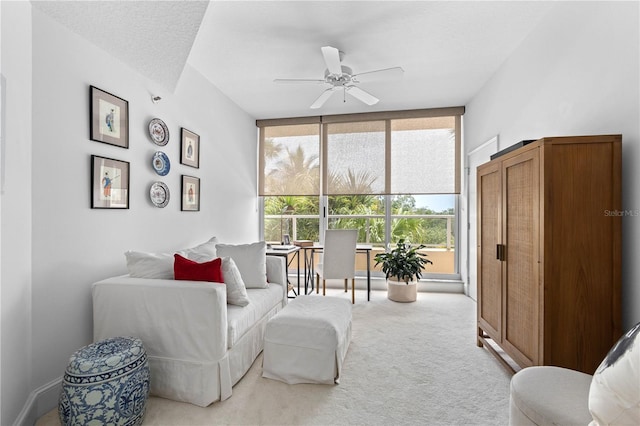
point(407, 364)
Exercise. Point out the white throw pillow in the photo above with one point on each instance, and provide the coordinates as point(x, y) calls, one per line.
point(203, 252)
point(160, 265)
point(251, 260)
point(236, 291)
point(614, 395)
point(150, 265)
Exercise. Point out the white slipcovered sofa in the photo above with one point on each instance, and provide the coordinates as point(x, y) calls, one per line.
point(198, 345)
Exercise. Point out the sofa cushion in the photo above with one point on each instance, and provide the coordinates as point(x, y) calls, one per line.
point(250, 260)
point(242, 319)
point(189, 270)
point(614, 395)
point(236, 291)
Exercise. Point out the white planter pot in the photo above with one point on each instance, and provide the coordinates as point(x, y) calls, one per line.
point(399, 291)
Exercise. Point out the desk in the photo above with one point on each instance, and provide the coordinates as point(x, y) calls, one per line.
point(309, 274)
point(285, 253)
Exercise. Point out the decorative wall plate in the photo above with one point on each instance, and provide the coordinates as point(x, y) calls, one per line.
point(159, 132)
point(159, 194)
point(160, 163)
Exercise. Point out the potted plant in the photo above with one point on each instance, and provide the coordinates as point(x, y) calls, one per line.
point(402, 267)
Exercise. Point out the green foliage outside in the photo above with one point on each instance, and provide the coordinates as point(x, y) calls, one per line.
point(428, 231)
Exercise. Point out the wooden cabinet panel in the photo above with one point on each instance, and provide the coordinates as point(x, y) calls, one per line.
point(580, 287)
point(554, 297)
point(521, 236)
point(489, 231)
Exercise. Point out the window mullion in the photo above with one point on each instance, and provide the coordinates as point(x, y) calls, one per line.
point(387, 156)
point(387, 180)
point(323, 221)
point(387, 220)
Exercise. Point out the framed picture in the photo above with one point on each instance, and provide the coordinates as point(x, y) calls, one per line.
point(286, 240)
point(109, 183)
point(190, 148)
point(109, 118)
point(190, 194)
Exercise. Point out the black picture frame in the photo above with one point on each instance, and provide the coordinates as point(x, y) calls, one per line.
point(190, 194)
point(189, 148)
point(109, 118)
point(109, 183)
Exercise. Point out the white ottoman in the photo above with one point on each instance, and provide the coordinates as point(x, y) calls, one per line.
point(307, 341)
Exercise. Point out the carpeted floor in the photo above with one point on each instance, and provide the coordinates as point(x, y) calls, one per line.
point(408, 364)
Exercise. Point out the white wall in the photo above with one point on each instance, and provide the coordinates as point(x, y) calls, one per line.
point(72, 245)
point(577, 74)
point(15, 277)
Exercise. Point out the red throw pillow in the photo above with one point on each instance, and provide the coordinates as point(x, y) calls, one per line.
point(187, 269)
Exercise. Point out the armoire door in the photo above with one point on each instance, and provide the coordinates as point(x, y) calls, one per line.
point(521, 268)
point(489, 266)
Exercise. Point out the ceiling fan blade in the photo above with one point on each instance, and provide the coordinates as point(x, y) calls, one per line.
point(361, 95)
point(322, 98)
point(332, 59)
point(386, 73)
point(298, 81)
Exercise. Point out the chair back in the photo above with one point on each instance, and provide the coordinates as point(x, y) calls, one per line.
point(339, 254)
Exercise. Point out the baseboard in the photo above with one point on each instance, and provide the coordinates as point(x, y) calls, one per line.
point(441, 286)
point(40, 401)
point(377, 283)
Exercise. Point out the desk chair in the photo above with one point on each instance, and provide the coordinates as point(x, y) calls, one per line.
point(338, 259)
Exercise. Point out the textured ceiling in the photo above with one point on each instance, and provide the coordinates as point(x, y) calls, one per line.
point(153, 37)
point(448, 49)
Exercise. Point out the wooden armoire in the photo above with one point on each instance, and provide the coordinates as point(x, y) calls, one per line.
point(549, 252)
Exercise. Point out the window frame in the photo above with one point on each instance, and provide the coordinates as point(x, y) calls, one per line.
point(322, 122)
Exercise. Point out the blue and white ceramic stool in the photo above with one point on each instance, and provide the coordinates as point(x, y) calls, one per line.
point(106, 382)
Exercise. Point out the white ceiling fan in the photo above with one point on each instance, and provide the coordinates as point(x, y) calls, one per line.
point(341, 77)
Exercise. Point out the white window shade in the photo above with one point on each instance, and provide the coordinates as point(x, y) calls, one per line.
point(423, 156)
point(290, 160)
point(355, 158)
point(377, 153)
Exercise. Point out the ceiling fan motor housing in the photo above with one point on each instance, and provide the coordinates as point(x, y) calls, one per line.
point(338, 80)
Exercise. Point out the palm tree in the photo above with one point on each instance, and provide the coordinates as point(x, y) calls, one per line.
point(358, 200)
point(296, 174)
point(409, 229)
point(271, 149)
point(352, 182)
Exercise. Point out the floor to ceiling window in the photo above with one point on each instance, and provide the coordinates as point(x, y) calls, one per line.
point(391, 175)
point(290, 181)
